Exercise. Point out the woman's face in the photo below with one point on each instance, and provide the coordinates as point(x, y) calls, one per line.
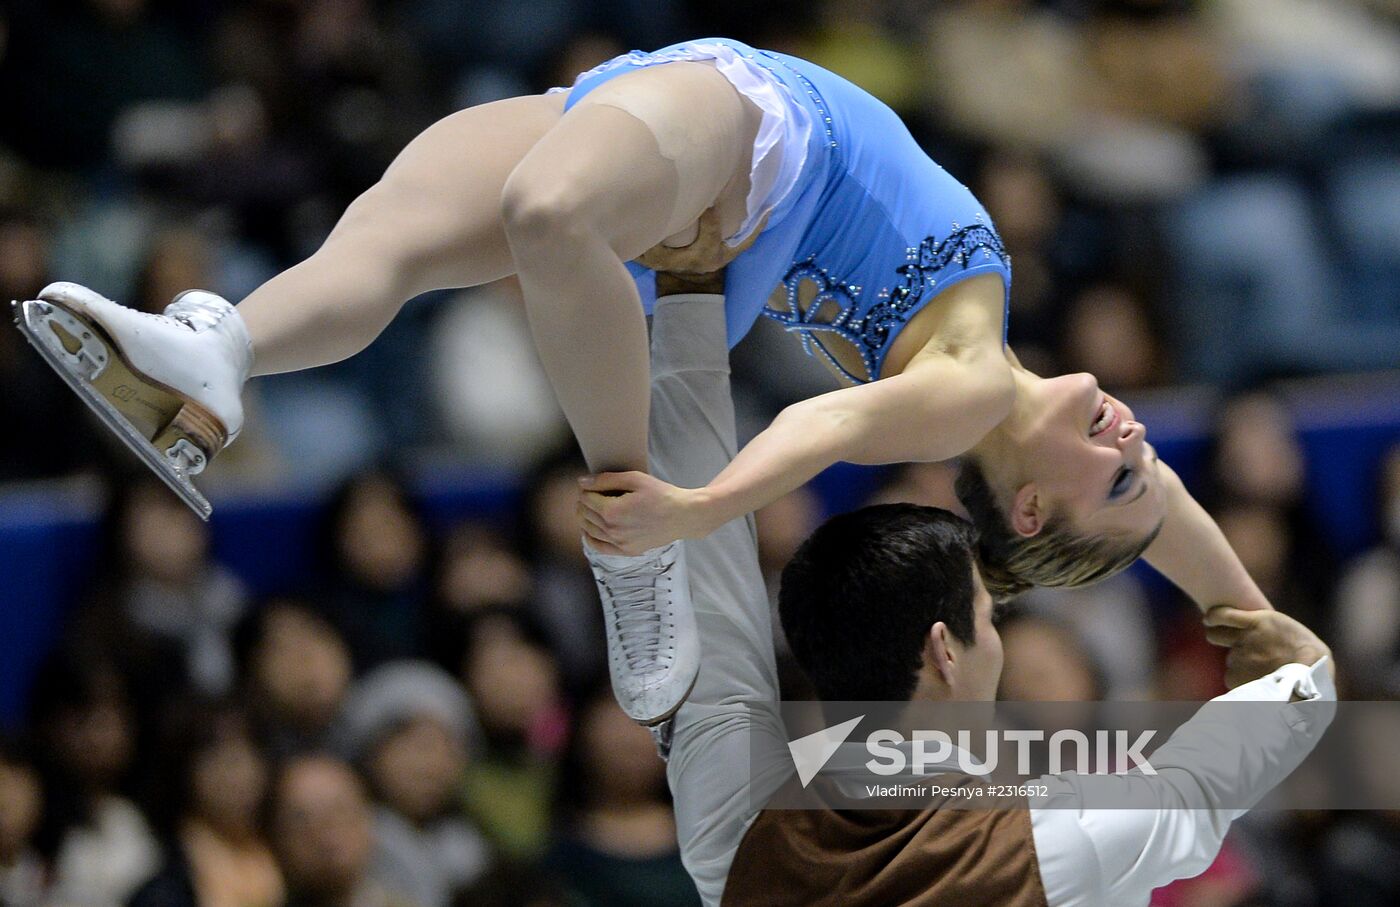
point(481, 570)
point(1085, 456)
point(21, 803)
point(1259, 455)
point(417, 767)
point(512, 680)
point(229, 782)
point(162, 538)
point(95, 740)
point(381, 541)
point(554, 505)
point(302, 667)
point(621, 756)
point(1045, 663)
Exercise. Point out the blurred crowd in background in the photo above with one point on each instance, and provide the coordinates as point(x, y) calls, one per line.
point(1203, 193)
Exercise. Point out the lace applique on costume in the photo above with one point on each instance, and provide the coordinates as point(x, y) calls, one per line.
point(810, 301)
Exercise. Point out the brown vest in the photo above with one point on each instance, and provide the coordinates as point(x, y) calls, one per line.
point(952, 857)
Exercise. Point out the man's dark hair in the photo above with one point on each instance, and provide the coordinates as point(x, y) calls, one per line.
point(859, 597)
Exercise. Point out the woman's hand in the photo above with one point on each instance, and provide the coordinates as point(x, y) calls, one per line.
point(630, 512)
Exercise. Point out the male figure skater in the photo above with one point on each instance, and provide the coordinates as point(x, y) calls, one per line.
point(886, 604)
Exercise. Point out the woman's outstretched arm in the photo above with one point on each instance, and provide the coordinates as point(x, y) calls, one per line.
point(1192, 552)
point(936, 409)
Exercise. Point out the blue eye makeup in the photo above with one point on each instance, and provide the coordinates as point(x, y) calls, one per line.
point(1121, 483)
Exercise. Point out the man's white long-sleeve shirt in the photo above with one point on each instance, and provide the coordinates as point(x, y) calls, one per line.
point(1090, 857)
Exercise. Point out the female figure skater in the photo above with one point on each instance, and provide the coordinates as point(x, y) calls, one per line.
point(824, 214)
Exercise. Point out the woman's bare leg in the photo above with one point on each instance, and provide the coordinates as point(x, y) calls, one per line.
point(517, 186)
point(637, 160)
point(562, 201)
point(432, 221)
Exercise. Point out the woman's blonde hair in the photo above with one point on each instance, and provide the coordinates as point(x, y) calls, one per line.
point(1058, 555)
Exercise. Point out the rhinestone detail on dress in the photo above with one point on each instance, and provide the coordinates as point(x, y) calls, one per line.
point(870, 331)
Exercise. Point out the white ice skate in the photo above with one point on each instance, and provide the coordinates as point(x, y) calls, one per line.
point(653, 646)
point(167, 385)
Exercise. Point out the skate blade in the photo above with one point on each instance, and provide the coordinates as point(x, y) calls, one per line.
point(30, 319)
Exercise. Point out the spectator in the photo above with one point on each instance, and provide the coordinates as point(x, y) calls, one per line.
point(1263, 544)
point(179, 258)
point(411, 728)
point(1033, 98)
point(98, 844)
point(1030, 213)
point(478, 569)
point(1363, 859)
point(1109, 333)
point(1367, 619)
point(1046, 662)
point(323, 832)
point(1258, 289)
point(513, 679)
point(377, 560)
point(36, 403)
point(617, 839)
point(161, 603)
point(1257, 457)
point(1233, 878)
point(22, 870)
point(208, 793)
point(585, 51)
point(929, 484)
point(862, 41)
point(1361, 855)
point(782, 526)
point(1257, 470)
point(58, 110)
point(523, 887)
point(1188, 668)
point(360, 90)
point(1114, 621)
point(298, 671)
point(566, 599)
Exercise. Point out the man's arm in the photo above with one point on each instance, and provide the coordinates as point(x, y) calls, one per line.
point(1216, 766)
point(728, 744)
point(693, 438)
point(1192, 552)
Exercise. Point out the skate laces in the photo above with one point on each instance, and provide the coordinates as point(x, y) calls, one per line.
point(638, 593)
